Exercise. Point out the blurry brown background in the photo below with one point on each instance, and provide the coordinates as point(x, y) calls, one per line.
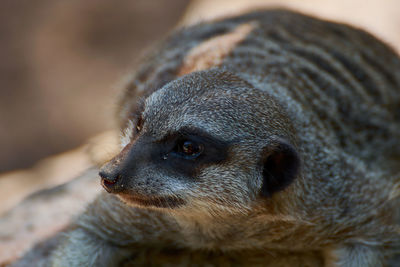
point(59, 63)
point(60, 60)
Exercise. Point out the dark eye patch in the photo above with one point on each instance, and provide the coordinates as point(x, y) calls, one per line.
point(213, 151)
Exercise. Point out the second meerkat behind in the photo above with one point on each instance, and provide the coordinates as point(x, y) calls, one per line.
point(270, 138)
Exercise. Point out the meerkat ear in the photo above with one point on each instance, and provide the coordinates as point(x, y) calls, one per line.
point(281, 165)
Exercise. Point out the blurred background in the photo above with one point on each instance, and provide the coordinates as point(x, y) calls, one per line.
point(59, 63)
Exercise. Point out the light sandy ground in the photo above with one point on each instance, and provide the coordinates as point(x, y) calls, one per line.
point(56, 170)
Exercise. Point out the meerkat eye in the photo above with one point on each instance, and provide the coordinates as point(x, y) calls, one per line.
point(188, 149)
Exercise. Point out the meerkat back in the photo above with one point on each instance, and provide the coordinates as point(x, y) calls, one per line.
point(271, 139)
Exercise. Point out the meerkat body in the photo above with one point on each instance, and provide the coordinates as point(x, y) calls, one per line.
point(267, 139)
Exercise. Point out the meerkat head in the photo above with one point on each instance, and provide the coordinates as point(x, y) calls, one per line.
point(208, 140)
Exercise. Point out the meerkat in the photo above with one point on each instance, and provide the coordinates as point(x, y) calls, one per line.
point(268, 139)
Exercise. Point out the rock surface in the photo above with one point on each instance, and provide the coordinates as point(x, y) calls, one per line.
point(42, 215)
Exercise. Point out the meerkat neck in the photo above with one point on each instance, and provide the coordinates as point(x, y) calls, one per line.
point(230, 232)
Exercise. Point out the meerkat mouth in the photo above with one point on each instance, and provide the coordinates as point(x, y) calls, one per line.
point(170, 202)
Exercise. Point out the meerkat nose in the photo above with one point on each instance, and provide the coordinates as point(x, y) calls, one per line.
point(109, 180)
